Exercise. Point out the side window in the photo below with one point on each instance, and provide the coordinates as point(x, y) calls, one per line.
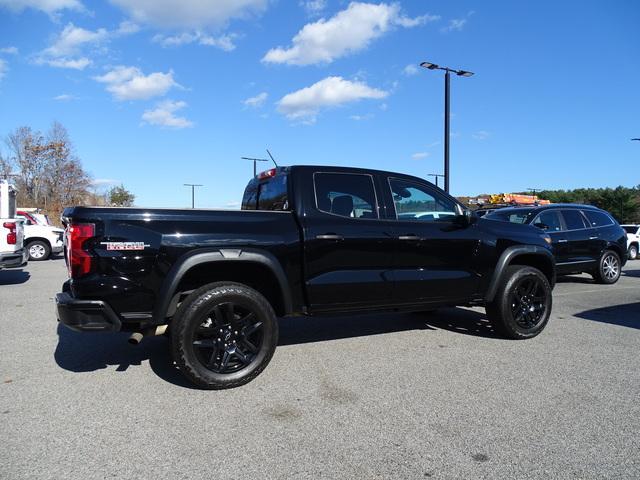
point(416, 202)
point(346, 194)
point(597, 219)
point(548, 220)
point(573, 219)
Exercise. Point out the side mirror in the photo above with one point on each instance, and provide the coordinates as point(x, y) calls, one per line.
point(466, 218)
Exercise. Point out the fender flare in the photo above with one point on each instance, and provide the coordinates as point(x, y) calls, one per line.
point(505, 260)
point(198, 257)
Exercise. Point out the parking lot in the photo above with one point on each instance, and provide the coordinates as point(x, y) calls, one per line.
point(388, 396)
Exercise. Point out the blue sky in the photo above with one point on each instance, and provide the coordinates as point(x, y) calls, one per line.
point(157, 93)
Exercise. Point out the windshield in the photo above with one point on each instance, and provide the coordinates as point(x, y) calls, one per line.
point(513, 215)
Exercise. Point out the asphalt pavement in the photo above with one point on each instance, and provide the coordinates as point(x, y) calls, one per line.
point(379, 396)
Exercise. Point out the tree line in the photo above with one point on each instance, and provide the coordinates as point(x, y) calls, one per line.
point(621, 202)
point(49, 175)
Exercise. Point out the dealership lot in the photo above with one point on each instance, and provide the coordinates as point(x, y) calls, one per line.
point(394, 395)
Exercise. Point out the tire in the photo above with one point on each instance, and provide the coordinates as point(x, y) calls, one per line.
point(223, 335)
point(522, 305)
point(633, 252)
point(609, 269)
point(38, 250)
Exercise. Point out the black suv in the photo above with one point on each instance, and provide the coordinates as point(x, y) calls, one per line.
point(584, 238)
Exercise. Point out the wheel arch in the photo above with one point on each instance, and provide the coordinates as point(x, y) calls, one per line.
point(29, 240)
point(255, 268)
point(530, 255)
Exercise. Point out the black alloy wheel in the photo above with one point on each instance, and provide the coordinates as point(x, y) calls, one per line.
point(528, 302)
point(229, 338)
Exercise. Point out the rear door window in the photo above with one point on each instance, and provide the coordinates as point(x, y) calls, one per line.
point(574, 220)
point(350, 195)
point(597, 219)
point(548, 220)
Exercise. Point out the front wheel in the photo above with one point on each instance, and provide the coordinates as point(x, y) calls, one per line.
point(522, 304)
point(223, 335)
point(609, 269)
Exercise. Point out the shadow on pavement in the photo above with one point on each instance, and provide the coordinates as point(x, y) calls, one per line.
point(13, 277)
point(298, 330)
point(574, 279)
point(87, 352)
point(631, 273)
point(626, 315)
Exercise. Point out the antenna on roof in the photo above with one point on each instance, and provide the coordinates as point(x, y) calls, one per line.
point(272, 159)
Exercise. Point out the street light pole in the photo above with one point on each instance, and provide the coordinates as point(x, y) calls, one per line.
point(193, 192)
point(435, 175)
point(254, 160)
point(447, 81)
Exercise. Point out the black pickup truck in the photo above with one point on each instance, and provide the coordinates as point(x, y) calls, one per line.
point(309, 240)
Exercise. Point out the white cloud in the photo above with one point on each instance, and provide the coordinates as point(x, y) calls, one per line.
point(410, 70)
point(129, 83)
point(9, 50)
point(75, 64)
point(223, 42)
point(48, 6)
point(163, 115)
point(65, 97)
point(72, 39)
point(346, 32)
point(305, 104)
point(127, 27)
point(480, 135)
point(420, 155)
point(359, 118)
point(257, 101)
point(189, 13)
point(314, 7)
point(3, 68)
point(457, 24)
point(68, 49)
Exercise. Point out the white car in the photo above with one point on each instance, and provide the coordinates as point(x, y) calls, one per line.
point(633, 240)
point(40, 240)
point(12, 251)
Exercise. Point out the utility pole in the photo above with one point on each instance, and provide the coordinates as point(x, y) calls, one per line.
point(193, 192)
point(436, 175)
point(254, 160)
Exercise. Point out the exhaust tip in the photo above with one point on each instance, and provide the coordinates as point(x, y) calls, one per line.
point(135, 338)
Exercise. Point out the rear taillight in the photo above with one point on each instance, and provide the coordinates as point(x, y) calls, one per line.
point(79, 261)
point(12, 238)
point(267, 174)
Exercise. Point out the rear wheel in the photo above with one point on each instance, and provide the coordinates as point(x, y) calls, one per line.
point(522, 304)
point(609, 268)
point(633, 252)
point(38, 250)
point(223, 335)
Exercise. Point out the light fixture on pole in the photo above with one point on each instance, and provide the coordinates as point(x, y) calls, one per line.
point(447, 75)
point(193, 193)
point(254, 160)
point(436, 175)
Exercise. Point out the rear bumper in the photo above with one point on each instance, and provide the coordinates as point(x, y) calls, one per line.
point(14, 259)
point(86, 315)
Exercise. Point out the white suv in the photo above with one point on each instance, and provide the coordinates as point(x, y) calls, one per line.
point(633, 240)
point(40, 240)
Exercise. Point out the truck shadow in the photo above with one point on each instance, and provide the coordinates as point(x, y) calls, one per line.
point(298, 330)
point(88, 352)
point(625, 315)
point(13, 277)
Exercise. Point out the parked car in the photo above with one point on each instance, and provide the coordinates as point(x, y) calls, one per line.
point(41, 240)
point(12, 251)
point(585, 238)
point(633, 240)
point(308, 241)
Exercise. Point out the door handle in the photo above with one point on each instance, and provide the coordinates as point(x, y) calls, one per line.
point(408, 237)
point(329, 236)
point(563, 240)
